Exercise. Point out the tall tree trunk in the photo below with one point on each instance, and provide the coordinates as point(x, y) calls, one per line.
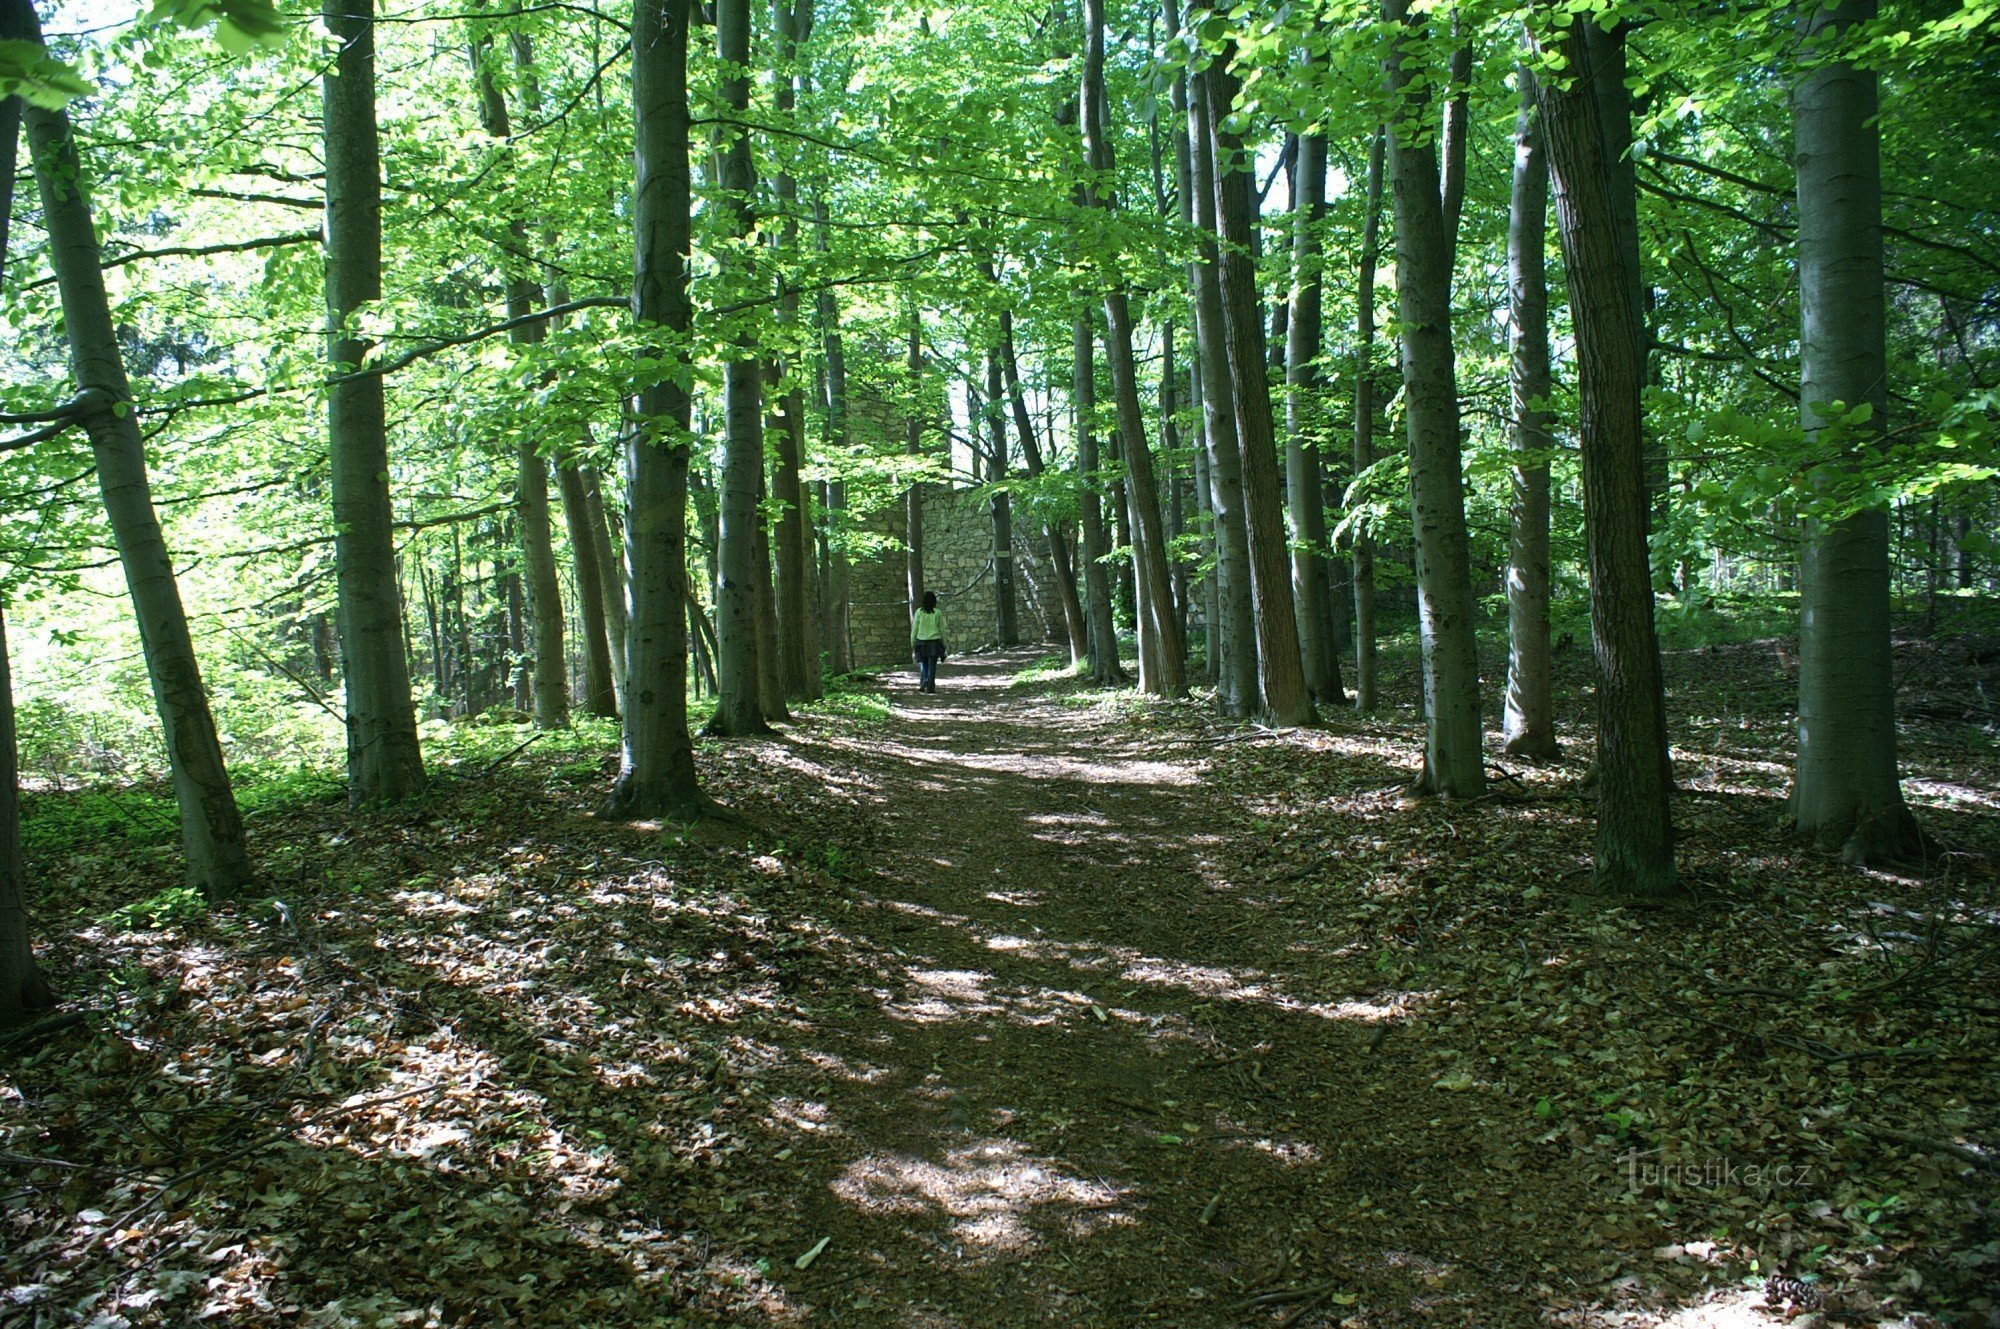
point(1167, 675)
point(1605, 52)
point(1846, 791)
point(1280, 674)
point(798, 639)
point(610, 577)
point(1456, 130)
point(211, 829)
point(738, 704)
point(1634, 853)
point(23, 992)
point(550, 672)
point(384, 762)
point(770, 669)
point(600, 693)
point(1101, 628)
point(1235, 626)
point(1305, 429)
point(1000, 508)
point(656, 775)
point(1364, 426)
point(836, 607)
point(913, 443)
point(1053, 534)
point(1454, 764)
point(1529, 725)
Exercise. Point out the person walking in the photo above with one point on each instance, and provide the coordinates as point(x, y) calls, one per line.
point(927, 641)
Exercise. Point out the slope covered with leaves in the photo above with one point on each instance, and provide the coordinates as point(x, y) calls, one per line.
point(1025, 1004)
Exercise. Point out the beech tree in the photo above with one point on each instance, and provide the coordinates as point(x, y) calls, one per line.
point(1846, 792)
point(656, 774)
point(384, 762)
point(1529, 725)
point(1454, 765)
point(740, 704)
point(211, 828)
point(23, 991)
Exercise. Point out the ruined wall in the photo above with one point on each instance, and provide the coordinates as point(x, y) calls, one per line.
point(958, 565)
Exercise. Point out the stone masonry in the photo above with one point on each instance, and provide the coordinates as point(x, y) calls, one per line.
point(958, 565)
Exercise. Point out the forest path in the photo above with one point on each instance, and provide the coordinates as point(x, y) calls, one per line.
point(1074, 1071)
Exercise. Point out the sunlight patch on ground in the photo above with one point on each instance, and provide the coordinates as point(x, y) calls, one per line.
point(943, 995)
point(1029, 899)
point(1739, 1308)
point(987, 1189)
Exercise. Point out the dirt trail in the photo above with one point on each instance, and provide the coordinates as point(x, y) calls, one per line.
point(1078, 1078)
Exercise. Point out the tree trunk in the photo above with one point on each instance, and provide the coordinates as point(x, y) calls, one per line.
point(1235, 627)
point(1280, 674)
point(1165, 673)
point(738, 704)
point(826, 307)
point(913, 442)
point(798, 645)
point(770, 669)
point(1000, 508)
point(1053, 534)
point(1530, 726)
point(1846, 790)
point(211, 828)
point(549, 651)
point(600, 694)
point(23, 992)
point(1364, 427)
point(384, 762)
point(1101, 628)
point(1305, 428)
point(604, 548)
point(1605, 51)
point(656, 775)
point(1634, 853)
point(1454, 764)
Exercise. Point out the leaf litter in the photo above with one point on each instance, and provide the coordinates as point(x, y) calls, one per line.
point(1033, 1006)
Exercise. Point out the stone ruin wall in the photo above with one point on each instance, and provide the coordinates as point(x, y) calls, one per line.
point(958, 565)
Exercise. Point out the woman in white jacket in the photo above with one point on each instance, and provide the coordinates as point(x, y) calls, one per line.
point(927, 641)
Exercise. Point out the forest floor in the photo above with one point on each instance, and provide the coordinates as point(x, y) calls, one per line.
point(1027, 1004)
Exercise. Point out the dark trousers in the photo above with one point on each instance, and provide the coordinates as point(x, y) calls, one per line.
point(928, 654)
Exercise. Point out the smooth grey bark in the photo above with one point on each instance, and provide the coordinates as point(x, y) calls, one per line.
point(1235, 626)
point(548, 650)
point(1102, 629)
point(1455, 133)
point(600, 693)
point(1529, 723)
point(1633, 854)
point(217, 861)
point(835, 603)
point(384, 762)
point(1363, 548)
point(913, 444)
point(1305, 431)
point(797, 623)
point(656, 772)
point(23, 990)
point(1454, 763)
point(610, 577)
point(770, 669)
point(739, 708)
point(1053, 533)
point(1846, 790)
point(1162, 662)
point(1000, 508)
point(1280, 673)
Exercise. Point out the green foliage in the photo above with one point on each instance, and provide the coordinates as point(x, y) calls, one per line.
point(31, 73)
